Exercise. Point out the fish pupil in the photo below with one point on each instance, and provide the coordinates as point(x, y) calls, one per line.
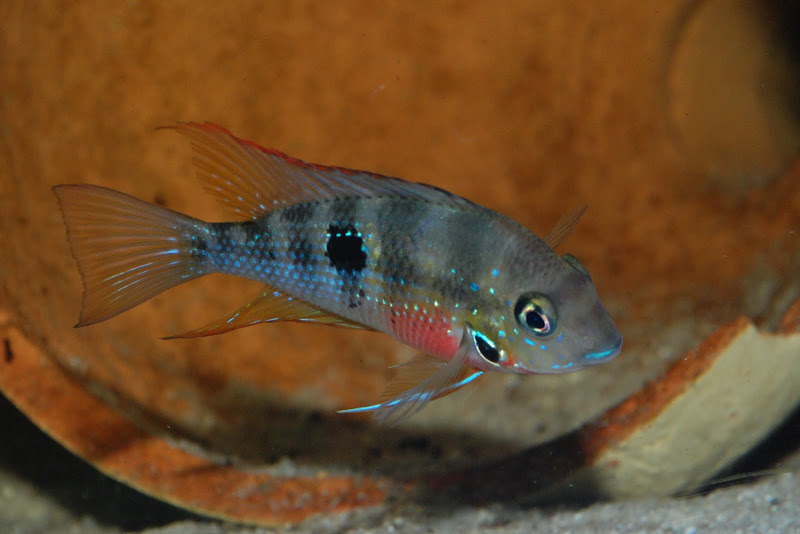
point(345, 249)
point(535, 320)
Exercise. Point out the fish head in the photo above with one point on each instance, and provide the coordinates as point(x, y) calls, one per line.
point(558, 327)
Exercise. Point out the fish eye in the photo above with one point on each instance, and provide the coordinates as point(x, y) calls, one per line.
point(486, 348)
point(536, 314)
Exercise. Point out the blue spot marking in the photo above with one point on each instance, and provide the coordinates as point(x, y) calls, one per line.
point(421, 396)
point(543, 347)
point(465, 381)
point(501, 333)
point(495, 272)
point(557, 366)
point(529, 342)
point(560, 338)
point(473, 286)
point(600, 355)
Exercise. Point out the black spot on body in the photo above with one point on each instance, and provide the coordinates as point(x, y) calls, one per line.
point(345, 249)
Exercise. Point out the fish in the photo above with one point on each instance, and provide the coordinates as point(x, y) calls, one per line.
point(472, 290)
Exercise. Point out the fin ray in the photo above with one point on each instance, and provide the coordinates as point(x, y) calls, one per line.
point(252, 180)
point(269, 306)
point(565, 225)
point(127, 250)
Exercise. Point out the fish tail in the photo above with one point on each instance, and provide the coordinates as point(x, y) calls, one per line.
point(127, 250)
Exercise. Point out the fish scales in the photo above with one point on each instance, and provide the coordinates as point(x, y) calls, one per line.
point(471, 288)
point(407, 263)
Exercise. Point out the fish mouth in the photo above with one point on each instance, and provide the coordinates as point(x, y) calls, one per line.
point(589, 358)
point(604, 355)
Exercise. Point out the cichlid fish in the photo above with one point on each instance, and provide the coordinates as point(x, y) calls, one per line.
point(470, 288)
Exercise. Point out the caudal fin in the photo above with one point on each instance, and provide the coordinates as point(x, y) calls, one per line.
point(127, 250)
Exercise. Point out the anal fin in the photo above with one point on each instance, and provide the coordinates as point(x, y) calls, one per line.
point(269, 306)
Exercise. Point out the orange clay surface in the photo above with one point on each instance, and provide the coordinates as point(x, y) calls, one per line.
point(100, 435)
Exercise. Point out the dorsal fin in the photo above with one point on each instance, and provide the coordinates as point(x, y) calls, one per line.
point(564, 227)
point(253, 180)
point(269, 306)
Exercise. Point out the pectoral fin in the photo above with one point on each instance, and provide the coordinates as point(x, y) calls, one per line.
point(420, 381)
point(269, 306)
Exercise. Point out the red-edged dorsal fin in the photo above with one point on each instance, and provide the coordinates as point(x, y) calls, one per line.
point(253, 180)
point(564, 227)
point(269, 306)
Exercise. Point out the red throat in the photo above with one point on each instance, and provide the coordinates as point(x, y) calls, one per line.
point(428, 333)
